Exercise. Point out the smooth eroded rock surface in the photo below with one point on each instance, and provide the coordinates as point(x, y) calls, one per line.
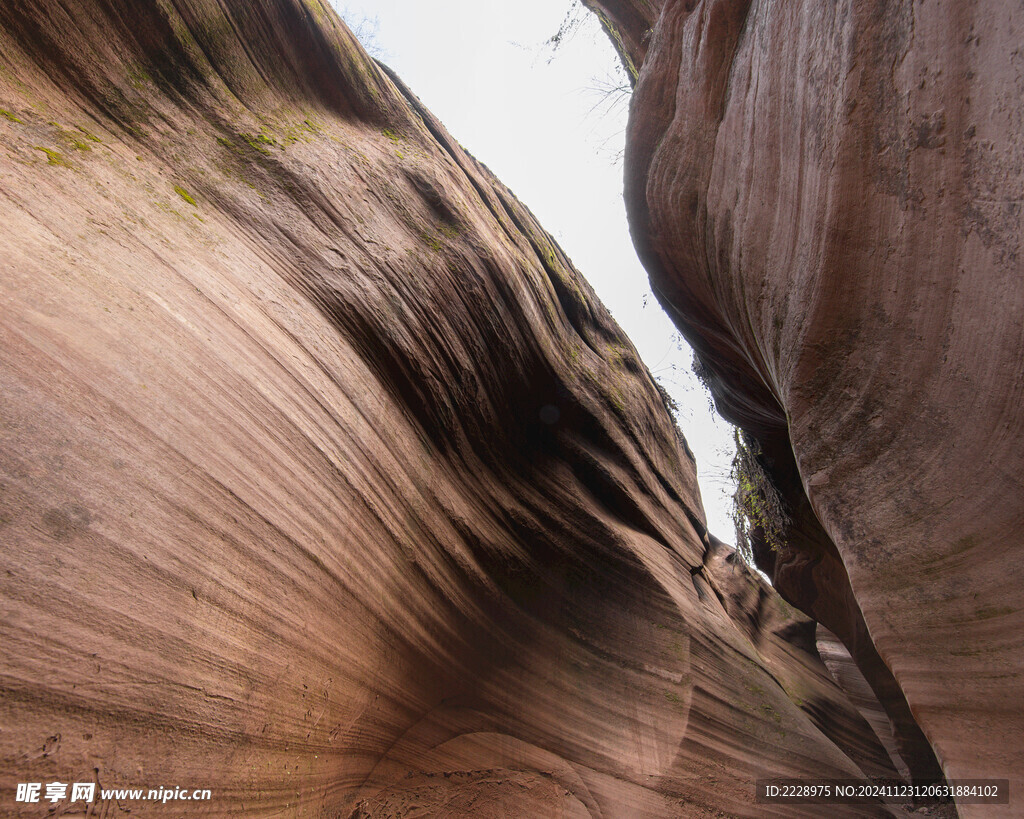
point(828, 198)
point(326, 482)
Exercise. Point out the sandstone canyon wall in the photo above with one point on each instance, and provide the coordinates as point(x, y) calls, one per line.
point(326, 482)
point(828, 199)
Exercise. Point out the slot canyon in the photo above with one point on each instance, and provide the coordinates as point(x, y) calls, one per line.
point(328, 484)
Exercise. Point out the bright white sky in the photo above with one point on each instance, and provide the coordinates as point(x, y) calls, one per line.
point(539, 121)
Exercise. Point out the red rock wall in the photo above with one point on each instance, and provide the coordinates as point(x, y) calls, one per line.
point(327, 482)
point(828, 198)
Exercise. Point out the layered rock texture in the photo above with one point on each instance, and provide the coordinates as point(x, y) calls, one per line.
point(326, 483)
point(828, 199)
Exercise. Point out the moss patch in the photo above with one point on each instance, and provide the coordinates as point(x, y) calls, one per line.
point(431, 241)
point(89, 136)
point(184, 194)
point(757, 506)
point(137, 76)
point(53, 157)
point(303, 131)
point(78, 139)
point(8, 115)
point(260, 142)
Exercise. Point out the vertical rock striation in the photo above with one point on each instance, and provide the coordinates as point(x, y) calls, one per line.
point(828, 199)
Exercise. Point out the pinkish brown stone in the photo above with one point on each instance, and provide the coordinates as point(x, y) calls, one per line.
point(828, 199)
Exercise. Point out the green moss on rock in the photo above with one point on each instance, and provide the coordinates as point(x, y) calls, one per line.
point(53, 157)
point(184, 194)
